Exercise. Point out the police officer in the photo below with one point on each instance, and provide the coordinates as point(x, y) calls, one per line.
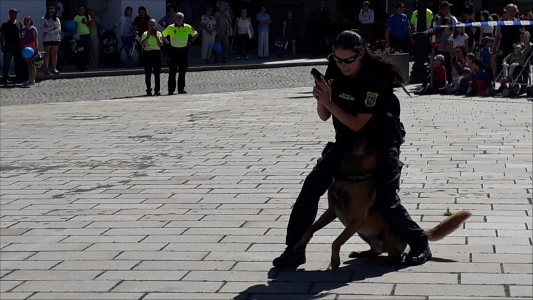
point(358, 95)
point(179, 35)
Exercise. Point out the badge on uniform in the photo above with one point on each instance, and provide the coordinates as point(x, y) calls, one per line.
point(371, 98)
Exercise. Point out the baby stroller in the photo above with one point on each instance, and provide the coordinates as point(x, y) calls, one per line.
point(521, 82)
point(71, 52)
point(109, 49)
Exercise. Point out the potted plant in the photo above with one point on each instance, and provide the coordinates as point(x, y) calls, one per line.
point(397, 57)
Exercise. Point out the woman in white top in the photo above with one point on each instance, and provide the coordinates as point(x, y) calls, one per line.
point(208, 25)
point(243, 33)
point(51, 29)
point(366, 17)
point(458, 38)
point(125, 27)
point(486, 30)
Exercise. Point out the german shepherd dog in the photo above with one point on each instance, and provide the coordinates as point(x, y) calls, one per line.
point(352, 199)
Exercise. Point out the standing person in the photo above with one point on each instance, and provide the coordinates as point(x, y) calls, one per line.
point(243, 33)
point(152, 40)
point(443, 46)
point(398, 34)
point(263, 21)
point(208, 24)
point(140, 23)
point(169, 18)
point(471, 32)
point(505, 38)
point(357, 93)
point(187, 9)
point(224, 30)
point(444, 12)
point(51, 29)
point(459, 38)
point(366, 17)
point(29, 38)
point(321, 22)
point(488, 31)
point(94, 22)
point(414, 19)
point(180, 35)
point(125, 27)
point(10, 34)
point(82, 28)
point(289, 33)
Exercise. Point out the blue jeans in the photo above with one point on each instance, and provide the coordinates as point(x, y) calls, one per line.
point(21, 71)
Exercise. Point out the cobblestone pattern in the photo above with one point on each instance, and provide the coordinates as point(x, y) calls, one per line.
point(117, 87)
point(188, 198)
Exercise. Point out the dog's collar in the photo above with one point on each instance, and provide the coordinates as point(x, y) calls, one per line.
point(358, 177)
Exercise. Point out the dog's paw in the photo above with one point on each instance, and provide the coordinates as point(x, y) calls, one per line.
point(335, 263)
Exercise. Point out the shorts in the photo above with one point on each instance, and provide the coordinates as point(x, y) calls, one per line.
point(51, 43)
point(30, 45)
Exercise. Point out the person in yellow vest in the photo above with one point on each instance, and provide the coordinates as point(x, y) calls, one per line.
point(152, 40)
point(179, 35)
point(414, 19)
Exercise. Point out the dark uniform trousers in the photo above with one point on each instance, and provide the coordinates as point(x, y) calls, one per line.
point(400, 43)
point(387, 200)
point(152, 61)
point(179, 60)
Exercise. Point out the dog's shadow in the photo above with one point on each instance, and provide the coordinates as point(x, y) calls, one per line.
point(305, 284)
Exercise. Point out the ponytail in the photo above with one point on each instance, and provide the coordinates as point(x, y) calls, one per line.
point(352, 40)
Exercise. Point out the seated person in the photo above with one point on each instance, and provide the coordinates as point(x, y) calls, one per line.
point(480, 83)
point(514, 63)
point(453, 87)
point(439, 72)
point(463, 82)
point(469, 58)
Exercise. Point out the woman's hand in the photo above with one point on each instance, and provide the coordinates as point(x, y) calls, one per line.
point(322, 91)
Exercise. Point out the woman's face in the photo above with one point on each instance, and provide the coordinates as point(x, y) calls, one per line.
point(207, 12)
point(81, 11)
point(27, 22)
point(348, 69)
point(456, 52)
point(142, 13)
point(289, 14)
point(243, 13)
point(128, 12)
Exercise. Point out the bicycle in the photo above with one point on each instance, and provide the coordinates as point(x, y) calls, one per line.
point(130, 55)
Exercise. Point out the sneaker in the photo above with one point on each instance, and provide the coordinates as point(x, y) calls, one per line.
point(418, 255)
point(289, 258)
point(46, 72)
point(182, 92)
point(148, 93)
point(238, 58)
point(28, 84)
point(55, 71)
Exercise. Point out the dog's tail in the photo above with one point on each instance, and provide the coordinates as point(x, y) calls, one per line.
point(448, 226)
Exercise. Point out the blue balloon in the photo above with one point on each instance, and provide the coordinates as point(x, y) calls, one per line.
point(28, 52)
point(71, 26)
point(217, 48)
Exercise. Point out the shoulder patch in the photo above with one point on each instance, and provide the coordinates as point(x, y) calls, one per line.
point(371, 98)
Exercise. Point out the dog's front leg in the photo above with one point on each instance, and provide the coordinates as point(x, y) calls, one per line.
point(347, 233)
point(325, 219)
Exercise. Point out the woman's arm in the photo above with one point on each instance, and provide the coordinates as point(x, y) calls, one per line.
point(36, 37)
point(323, 112)
point(44, 28)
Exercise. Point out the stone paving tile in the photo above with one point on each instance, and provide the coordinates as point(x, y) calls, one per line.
point(192, 199)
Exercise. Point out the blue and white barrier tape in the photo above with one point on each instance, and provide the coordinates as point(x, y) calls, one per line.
point(489, 23)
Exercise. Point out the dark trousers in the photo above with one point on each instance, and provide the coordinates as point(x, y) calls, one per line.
point(319, 43)
point(366, 30)
point(179, 60)
point(152, 61)
point(243, 41)
point(387, 200)
point(400, 43)
point(21, 70)
point(85, 41)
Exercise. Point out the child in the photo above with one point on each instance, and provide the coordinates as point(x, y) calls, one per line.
point(510, 63)
point(463, 82)
point(30, 38)
point(453, 87)
point(439, 72)
point(469, 58)
point(486, 53)
point(480, 82)
point(458, 38)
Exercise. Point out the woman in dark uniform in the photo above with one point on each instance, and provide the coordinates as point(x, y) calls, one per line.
point(358, 95)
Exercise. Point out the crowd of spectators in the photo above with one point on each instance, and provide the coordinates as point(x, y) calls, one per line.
point(470, 59)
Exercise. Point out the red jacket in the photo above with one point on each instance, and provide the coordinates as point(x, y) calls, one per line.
point(440, 74)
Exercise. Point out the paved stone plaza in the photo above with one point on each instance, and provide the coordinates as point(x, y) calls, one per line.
point(188, 197)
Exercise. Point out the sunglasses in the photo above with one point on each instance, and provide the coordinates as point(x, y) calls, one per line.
point(344, 60)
